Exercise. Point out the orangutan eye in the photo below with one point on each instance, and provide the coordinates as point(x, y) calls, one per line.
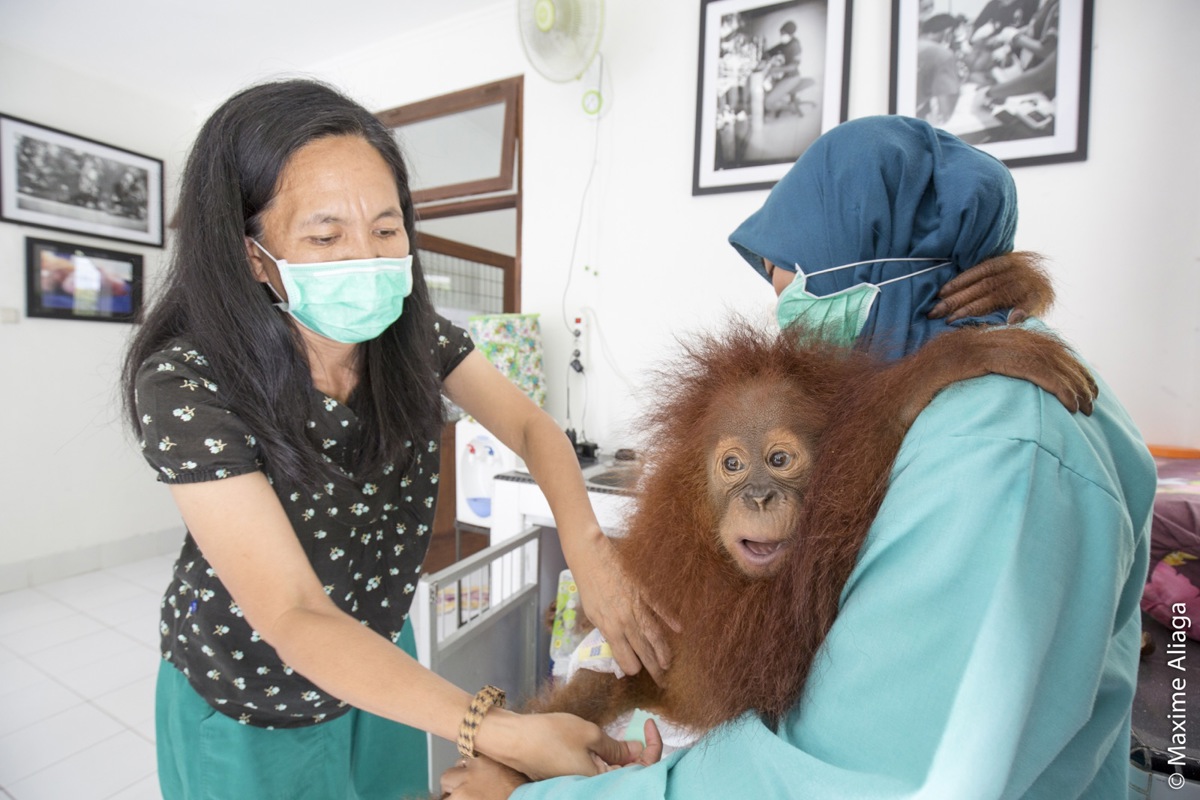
point(732, 464)
point(779, 459)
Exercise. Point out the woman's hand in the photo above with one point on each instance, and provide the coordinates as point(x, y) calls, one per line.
point(483, 778)
point(549, 745)
point(1012, 280)
point(633, 628)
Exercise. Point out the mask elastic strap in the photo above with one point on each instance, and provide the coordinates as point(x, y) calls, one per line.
point(870, 261)
point(915, 274)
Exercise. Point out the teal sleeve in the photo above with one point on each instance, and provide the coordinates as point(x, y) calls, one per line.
point(988, 639)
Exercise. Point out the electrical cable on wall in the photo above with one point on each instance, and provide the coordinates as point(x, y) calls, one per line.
point(576, 364)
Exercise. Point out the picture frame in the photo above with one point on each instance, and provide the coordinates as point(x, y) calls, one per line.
point(773, 76)
point(57, 180)
point(66, 280)
point(1013, 79)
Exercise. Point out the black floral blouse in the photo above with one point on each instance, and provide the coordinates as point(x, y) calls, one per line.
point(366, 546)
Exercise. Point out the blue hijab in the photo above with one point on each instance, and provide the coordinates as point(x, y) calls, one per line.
point(886, 187)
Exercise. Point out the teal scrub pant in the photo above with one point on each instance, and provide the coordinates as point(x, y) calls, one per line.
point(205, 755)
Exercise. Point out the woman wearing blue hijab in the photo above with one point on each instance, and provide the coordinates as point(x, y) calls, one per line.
point(987, 640)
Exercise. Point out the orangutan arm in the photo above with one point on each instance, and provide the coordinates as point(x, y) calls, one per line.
point(973, 352)
point(1012, 280)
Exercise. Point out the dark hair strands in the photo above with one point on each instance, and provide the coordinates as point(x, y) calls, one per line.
point(211, 299)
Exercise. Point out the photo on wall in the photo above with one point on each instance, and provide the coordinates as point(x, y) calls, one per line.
point(1011, 77)
point(53, 179)
point(73, 281)
point(773, 77)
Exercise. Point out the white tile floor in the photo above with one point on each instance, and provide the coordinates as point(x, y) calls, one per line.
point(77, 664)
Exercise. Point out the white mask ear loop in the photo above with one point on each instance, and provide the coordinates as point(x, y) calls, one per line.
point(873, 261)
point(914, 274)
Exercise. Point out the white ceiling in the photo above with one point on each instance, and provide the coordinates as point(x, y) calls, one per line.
point(195, 52)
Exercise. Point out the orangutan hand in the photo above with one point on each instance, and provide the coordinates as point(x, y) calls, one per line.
point(1012, 280)
point(480, 778)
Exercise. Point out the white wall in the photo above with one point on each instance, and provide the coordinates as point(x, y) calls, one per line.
point(71, 477)
point(652, 262)
point(1121, 228)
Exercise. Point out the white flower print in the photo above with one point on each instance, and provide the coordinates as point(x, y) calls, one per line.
point(146, 419)
point(365, 538)
point(422, 530)
point(358, 509)
point(255, 636)
point(312, 424)
point(320, 534)
point(409, 588)
point(206, 594)
point(335, 553)
point(433, 478)
point(263, 670)
point(240, 683)
point(401, 529)
point(170, 473)
point(328, 443)
point(388, 469)
point(433, 447)
point(330, 403)
point(214, 445)
point(220, 630)
point(385, 604)
point(310, 696)
point(235, 609)
point(294, 496)
point(281, 707)
point(308, 514)
point(369, 488)
point(329, 488)
point(429, 502)
point(190, 385)
point(238, 655)
point(244, 719)
point(250, 440)
point(373, 583)
point(272, 691)
point(166, 444)
point(443, 341)
point(393, 572)
point(222, 473)
point(213, 674)
point(212, 387)
point(328, 589)
point(331, 511)
point(185, 414)
point(166, 367)
point(208, 651)
point(405, 482)
point(188, 465)
point(318, 717)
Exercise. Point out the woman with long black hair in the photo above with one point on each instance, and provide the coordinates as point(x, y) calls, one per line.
point(287, 387)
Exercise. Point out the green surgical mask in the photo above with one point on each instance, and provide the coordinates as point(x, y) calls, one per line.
point(840, 317)
point(347, 301)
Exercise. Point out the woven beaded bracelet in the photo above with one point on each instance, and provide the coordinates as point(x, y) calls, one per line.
point(481, 703)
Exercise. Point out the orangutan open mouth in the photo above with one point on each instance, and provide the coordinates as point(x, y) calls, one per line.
point(759, 555)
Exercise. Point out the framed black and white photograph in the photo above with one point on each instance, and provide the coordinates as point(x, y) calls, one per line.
point(53, 179)
point(773, 77)
point(1011, 77)
point(74, 281)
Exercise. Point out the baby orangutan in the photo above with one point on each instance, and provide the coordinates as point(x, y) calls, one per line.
point(769, 457)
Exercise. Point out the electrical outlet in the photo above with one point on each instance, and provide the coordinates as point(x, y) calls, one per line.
point(579, 352)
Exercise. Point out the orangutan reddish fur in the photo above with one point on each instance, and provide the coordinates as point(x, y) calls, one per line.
point(746, 643)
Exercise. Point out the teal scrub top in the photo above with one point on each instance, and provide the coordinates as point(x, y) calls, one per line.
point(988, 639)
